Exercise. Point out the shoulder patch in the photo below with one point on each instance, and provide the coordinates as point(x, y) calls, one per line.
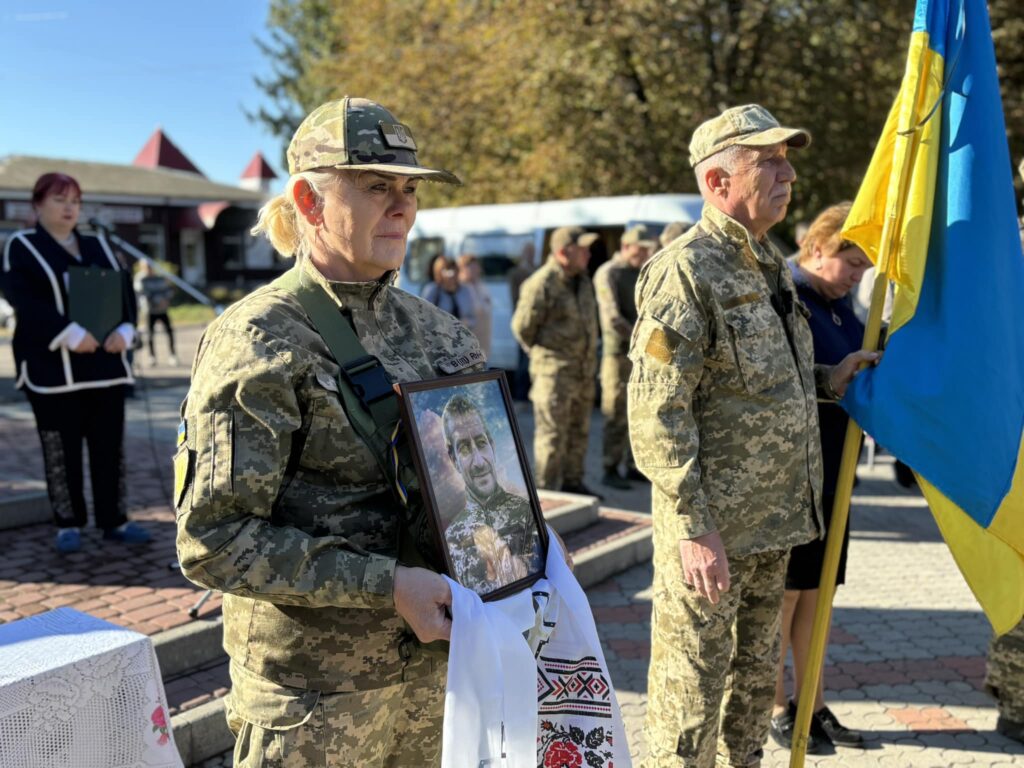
point(456, 363)
point(659, 346)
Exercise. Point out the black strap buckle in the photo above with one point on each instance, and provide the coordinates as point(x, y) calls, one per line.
point(368, 379)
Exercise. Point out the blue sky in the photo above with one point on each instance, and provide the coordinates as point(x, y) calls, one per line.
point(91, 80)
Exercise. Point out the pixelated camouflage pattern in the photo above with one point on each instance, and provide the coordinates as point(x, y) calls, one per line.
point(305, 559)
point(347, 132)
point(709, 690)
point(396, 726)
point(485, 568)
point(614, 410)
point(723, 416)
point(555, 322)
point(615, 290)
point(1004, 673)
point(749, 126)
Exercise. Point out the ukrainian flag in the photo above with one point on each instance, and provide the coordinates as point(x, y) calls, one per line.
point(948, 397)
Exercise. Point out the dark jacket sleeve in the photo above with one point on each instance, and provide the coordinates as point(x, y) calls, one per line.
point(29, 290)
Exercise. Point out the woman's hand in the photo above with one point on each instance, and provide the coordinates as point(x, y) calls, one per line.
point(848, 367)
point(115, 343)
point(87, 345)
point(424, 599)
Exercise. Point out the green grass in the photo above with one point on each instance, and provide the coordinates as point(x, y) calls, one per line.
point(190, 314)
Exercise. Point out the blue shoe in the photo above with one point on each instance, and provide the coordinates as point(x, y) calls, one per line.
point(68, 540)
point(129, 533)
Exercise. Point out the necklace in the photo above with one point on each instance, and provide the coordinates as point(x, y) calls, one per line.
point(835, 318)
point(69, 240)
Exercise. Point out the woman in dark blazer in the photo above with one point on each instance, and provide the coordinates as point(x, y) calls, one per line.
point(74, 381)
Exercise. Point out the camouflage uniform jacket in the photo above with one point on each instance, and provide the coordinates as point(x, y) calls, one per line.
point(615, 286)
point(510, 516)
point(556, 321)
point(306, 558)
point(722, 405)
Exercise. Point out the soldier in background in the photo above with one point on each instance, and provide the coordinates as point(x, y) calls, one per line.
point(555, 322)
point(615, 285)
point(282, 506)
point(1004, 672)
point(516, 277)
point(671, 232)
point(723, 419)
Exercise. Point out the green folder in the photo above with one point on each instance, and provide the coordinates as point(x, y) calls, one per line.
point(95, 299)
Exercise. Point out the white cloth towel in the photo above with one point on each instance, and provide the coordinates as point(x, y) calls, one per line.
point(491, 713)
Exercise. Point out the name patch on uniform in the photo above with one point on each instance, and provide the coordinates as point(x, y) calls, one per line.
point(659, 346)
point(737, 301)
point(458, 363)
point(327, 381)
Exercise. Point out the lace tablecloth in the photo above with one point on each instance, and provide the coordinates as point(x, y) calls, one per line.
point(80, 692)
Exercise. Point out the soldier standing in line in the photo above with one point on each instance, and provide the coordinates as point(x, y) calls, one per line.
point(615, 284)
point(1004, 672)
point(671, 231)
point(555, 322)
point(723, 419)
point(282, 504)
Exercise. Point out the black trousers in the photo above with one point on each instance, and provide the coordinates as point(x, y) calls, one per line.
point(160, 317)
point(64, 420)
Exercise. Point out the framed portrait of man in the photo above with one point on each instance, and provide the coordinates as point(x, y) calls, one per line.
point(476, 481)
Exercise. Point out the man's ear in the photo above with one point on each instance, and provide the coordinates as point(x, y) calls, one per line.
point(716, 180)
point(307, 201)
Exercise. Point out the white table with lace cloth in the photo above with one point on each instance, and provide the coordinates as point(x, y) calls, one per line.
point(79, 691)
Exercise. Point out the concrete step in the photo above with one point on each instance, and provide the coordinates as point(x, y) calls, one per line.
point(602, 541)
point(23, 502)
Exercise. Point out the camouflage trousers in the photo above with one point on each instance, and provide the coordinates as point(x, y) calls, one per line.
point(1004, 673)
point(712, 674)
point(614, 378)
point(562, 403)
point(394, 727)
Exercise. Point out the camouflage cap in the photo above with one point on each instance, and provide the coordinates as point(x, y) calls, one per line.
point(564, 236)
point(634, 235)
point(672, 231)
point(748, 126)
point(360, 134)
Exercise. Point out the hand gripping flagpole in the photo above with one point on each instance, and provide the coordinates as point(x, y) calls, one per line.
point(910, 137)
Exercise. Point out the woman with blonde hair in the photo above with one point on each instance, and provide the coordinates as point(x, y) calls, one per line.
point(826, 270)
point(284, 502)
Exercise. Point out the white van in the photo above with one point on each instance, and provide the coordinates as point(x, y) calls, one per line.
point(496, 235)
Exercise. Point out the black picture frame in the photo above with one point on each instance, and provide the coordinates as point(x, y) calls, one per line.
point(492, 560)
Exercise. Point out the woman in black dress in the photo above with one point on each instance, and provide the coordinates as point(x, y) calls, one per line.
point(826, 270)
point(74, 381)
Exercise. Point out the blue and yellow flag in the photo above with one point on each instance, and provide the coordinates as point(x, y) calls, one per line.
point(948, 397)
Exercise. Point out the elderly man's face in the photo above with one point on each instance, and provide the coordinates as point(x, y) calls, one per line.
point(474, 454)
point(760, 187)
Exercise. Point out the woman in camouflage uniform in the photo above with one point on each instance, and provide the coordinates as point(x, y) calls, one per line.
point(283, 507)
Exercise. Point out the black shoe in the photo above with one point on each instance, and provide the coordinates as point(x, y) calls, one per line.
point(614, 480)
point(1011, 729)
point(904, 475)
point(636, 475)
point(581, 489)
point(781, 730)
point(825, 726)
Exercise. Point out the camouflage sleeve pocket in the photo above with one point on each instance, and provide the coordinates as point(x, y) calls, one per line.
point(213, 463)
point(759, 344)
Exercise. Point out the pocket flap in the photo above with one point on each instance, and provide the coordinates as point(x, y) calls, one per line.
point(750, 319)
point(266, 704)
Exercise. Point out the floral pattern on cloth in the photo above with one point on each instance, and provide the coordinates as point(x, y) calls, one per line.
point(159, 718)
point(558, 747)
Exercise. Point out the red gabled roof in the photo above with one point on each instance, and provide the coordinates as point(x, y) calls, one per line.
point(258, 168)
point(161, 152)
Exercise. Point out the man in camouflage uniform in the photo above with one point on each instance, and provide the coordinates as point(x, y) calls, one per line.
point(284, 508)
point(723, 419)
point(1004, 673)
point(556, 323)
point(494, 541)
point(615, 284)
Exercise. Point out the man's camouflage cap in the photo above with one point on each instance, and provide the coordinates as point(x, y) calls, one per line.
point(637, 235)
point(748, 126)
point(564, 236)
point(359, 134)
